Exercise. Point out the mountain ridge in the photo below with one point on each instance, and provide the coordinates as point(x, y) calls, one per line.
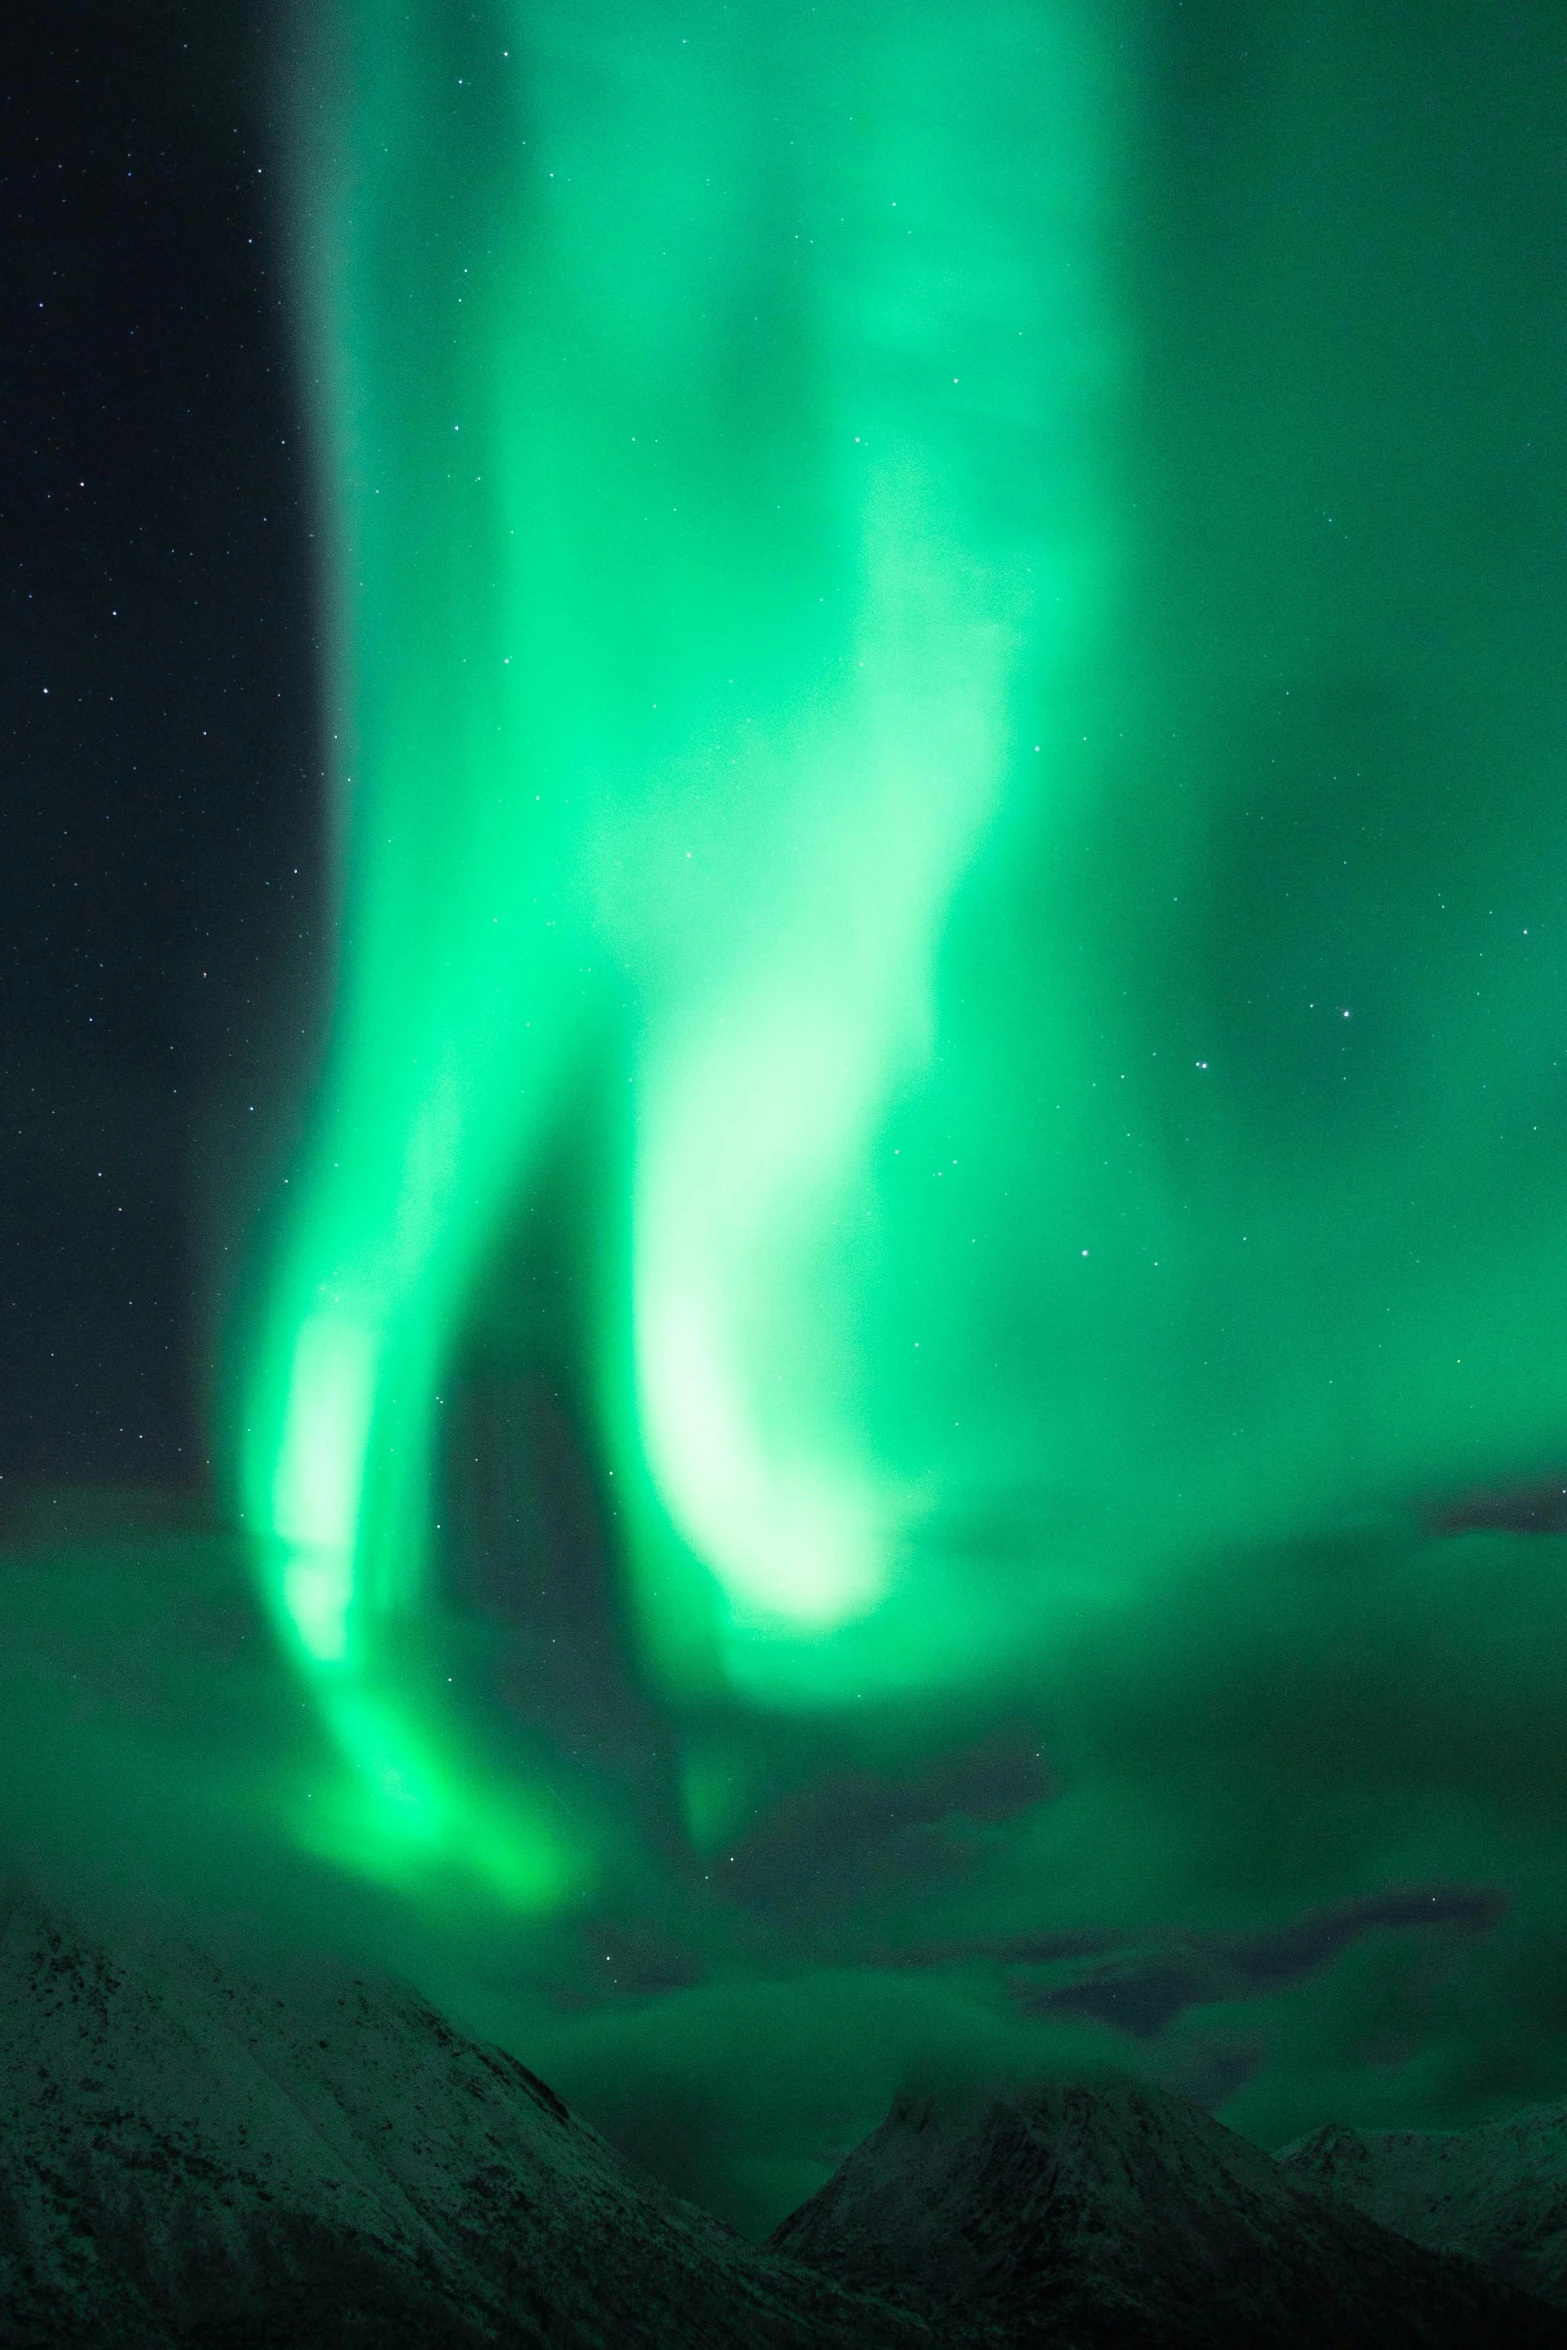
point(1497, 2192)
point(187, 2157)
point(1125, 2218)
point(195, 2159)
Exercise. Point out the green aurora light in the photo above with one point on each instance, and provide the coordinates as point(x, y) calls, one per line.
point(946, 662)
point(713, 406)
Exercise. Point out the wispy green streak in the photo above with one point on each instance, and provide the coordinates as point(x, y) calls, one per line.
point(711, 403)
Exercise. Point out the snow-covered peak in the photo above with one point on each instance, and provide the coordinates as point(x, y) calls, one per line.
point(1125, 2214)
point(1497, 2192)
point(329, 2161)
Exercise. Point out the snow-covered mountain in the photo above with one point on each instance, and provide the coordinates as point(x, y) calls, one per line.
point(1124, 2216)
point(189, 2158)
point(1498, 2192)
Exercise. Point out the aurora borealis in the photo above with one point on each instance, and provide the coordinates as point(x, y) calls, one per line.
point(901, 1400)
point(699, 612)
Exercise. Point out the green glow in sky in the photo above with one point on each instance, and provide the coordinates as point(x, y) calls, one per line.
point(712, 407)
point(938, 1174)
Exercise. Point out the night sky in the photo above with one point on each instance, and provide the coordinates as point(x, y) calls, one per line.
point(162, 866)
point(785, 1037)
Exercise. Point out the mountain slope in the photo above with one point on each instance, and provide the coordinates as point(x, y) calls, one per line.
point(186, 2157)
point(193, 2161)
point(1498, 2193)
point(1125, 2217)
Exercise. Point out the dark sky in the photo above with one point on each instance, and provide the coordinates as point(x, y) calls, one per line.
point(159, 868)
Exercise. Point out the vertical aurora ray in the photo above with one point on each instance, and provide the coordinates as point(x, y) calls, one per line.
point(455, 989)
point(958, 344)
point(710, 408)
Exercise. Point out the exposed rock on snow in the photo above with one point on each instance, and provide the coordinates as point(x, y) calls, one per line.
point(1498, 2193)
point(1124, 2216)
